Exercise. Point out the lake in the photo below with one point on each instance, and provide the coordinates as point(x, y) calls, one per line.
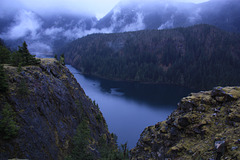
point(130, 107)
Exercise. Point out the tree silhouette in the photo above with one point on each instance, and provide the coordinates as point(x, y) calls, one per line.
point(24, 57)
point(3, 80)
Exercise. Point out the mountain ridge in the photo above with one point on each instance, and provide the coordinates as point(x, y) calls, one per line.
point(49, 32)
point(170, 14)
point(178, 56)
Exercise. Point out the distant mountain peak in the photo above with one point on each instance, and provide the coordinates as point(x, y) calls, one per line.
point(53, 31)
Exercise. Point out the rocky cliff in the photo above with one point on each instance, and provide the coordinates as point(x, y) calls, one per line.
point(204, 126)
point(45, 105)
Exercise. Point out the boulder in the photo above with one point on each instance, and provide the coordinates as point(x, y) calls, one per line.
point(183, 122)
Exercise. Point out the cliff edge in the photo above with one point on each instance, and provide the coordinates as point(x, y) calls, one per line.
point(41, 111)
point(204, 126)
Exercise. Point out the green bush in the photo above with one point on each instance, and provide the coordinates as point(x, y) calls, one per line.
point(8, 124)
point(80, 143)
point(110, 151)
point(98, 117)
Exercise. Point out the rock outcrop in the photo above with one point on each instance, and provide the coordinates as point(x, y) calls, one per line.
point(204, 126)
point(48, 104)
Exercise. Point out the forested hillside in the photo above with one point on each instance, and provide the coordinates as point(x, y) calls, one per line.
point(198, 57)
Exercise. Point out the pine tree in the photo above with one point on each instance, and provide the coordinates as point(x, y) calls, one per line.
point(4, 55)
point(1, 42)
point(81, 142)
point(23, 56)
point(62, 59)
point(15, 59)
point(3, 80)
point(8, 124)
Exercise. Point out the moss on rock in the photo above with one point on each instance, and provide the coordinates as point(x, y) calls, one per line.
point(205, 125)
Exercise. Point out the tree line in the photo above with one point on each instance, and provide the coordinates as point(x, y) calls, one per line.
point(19, 58)
point(199, 57)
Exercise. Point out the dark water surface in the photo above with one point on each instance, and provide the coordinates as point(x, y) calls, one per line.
point(129, 107)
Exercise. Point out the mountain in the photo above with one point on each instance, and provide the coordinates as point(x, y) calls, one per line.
point(199, 57)
point(43, 33)
point(139, 15)
point(45, 114)
point(204, 126)
point(46, 33)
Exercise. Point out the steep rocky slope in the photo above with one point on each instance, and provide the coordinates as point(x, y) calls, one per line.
point(204, 126)
point(48, 105)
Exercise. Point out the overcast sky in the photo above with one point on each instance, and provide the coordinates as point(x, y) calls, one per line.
point(98, 8)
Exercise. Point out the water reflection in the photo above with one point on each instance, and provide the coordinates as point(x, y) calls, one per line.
point(129, 107)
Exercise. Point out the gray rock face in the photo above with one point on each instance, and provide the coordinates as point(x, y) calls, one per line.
point(202, 127)
point(49, 106)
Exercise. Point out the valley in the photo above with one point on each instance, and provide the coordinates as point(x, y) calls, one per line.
point(120, 79)
point(129, 107)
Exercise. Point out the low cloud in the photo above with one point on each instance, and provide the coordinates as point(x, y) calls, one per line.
point(26, 23)
point(79, 32)
point(53, 31)
point(121, 22)
point(195, 16)
point(168, 24)
point(42, 35)
point(138, 24)
point(40, 49)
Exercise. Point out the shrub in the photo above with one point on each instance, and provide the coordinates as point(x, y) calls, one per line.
point(110, 151)
point(99, 117)
point(80, 142)
point(8, 124)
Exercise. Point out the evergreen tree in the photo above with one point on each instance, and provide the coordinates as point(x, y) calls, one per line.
point(15, 59)
point(23, 56)
point(62, 59)
point(55, 56)
point(81, 141)
point(4, 55)
point(8, 124)
point(3, 80)
point(1, 42)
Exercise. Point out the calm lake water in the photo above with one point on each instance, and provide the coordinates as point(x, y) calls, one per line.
point(129, 107)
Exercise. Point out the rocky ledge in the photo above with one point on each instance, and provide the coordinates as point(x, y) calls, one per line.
point(206, 125)
point(48, 105)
